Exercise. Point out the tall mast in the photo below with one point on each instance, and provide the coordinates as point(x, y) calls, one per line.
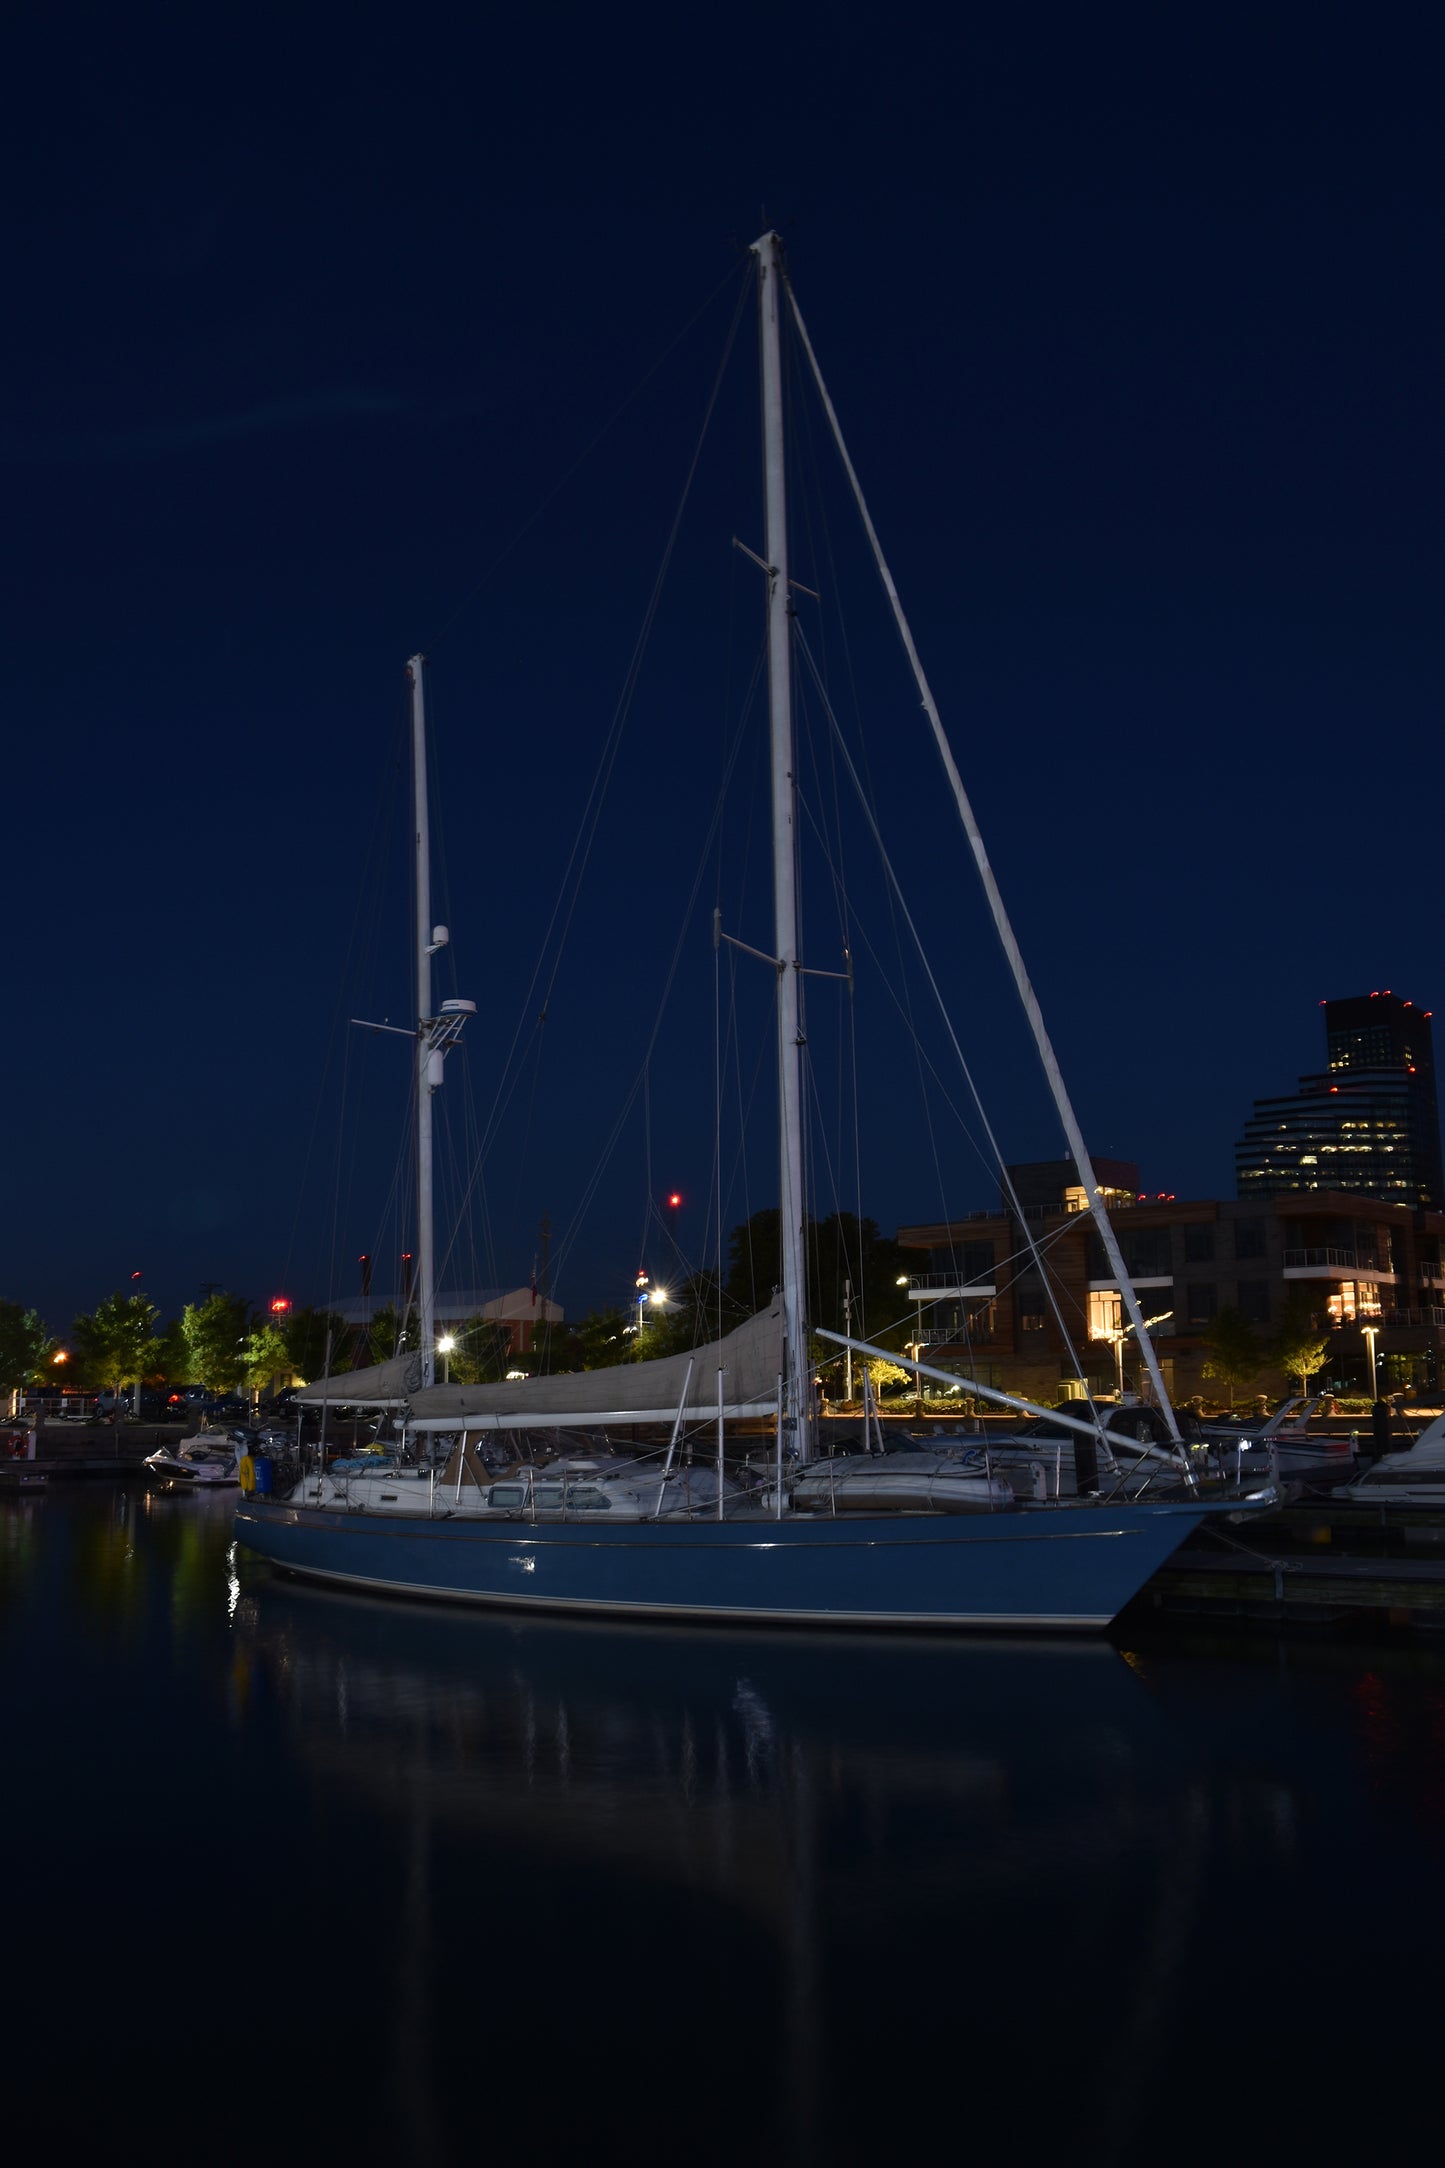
point(769, 252)
point(425, 1085)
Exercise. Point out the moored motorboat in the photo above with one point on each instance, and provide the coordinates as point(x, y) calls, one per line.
point(1414, 1477)
point(206, 1462)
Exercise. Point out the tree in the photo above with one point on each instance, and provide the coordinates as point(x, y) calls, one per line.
point(214, 1332)
point(603, 1340)
point(25, 1349)
point(1232, 1352)
point(115, 1343)
point(482, 1355)
point(171, 1361)
point(1299, 1346)
point(312, 1335)
point(392, 1334)
point(265, 1355)
point(837, 1250)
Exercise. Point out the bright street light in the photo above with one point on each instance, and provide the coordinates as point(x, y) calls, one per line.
point(444, 1348)
point(1370, 1332)
point(1120, 1334)
point(904, 1281)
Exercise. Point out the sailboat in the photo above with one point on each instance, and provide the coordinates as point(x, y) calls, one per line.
point(689, 1535)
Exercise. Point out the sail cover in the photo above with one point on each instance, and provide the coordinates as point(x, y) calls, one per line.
point(383, 1385)
point(750, 1359)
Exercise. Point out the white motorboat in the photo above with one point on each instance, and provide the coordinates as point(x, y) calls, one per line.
point(1285, 1441)
point(1414, 1477)
point(207, 1461)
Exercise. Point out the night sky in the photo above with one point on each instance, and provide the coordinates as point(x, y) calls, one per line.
point(335, 334)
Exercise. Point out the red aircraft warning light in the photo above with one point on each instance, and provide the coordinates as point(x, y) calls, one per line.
point(280, 1305)
point(674, 1198)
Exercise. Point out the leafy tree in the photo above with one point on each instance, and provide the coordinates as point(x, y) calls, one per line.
point(482, 1355)
point(308, 1333)
point(214, 1332)
point(115, 1344)
point(1299, 1346)
point(1232, 1353)
point(171, 1357)
point(838, 1249)
point(392, 1333)
point(25, 1349)
point(603, 1339)
point(265, 1355)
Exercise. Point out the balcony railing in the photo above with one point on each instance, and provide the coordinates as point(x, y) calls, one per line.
point(934, 1286)
point(1429, 1317)
point(1330, 1260)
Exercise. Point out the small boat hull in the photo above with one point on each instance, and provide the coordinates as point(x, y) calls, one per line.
point(1048, 1567)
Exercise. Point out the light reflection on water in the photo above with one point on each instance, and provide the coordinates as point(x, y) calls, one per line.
point(560, 1889)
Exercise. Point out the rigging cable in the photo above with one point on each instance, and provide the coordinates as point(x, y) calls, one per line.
point(580, 854)
point(590, 447)
point(1073, 1135)
point(893, 881)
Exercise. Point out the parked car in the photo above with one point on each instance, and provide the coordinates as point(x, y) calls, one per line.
point(223, 1405)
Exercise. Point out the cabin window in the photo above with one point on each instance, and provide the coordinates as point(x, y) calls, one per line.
point(589, 1501)
point(507, 1494)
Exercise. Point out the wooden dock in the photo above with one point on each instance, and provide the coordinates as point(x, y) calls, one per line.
point(1317, 1563)
point(70, 1451)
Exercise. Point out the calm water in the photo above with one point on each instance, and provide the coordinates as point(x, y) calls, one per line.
point(296, 1877)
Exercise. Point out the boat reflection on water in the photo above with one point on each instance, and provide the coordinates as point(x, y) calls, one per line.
point(444, 1886)
point(823, 1861)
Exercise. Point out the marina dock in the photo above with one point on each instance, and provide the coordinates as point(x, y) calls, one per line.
point(1317, 1563)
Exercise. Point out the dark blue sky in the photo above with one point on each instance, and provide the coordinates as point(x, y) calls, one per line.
point(1135, 324)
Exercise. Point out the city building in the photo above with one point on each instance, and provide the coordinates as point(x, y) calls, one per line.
point(1367, 1126)
point(1368, 1271)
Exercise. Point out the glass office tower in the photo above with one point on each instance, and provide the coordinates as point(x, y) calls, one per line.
point(1369, 1124)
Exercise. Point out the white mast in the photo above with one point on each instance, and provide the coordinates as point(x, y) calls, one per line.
point(768, 251)
point(425, 1086)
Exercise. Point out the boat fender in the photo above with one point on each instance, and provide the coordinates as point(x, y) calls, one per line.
point(246, 1473)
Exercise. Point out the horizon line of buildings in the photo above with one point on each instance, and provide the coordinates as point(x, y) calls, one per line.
point(1340, 1206)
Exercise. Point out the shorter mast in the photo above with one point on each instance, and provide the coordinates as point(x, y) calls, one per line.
point(435, 1033)
point(425, 1229)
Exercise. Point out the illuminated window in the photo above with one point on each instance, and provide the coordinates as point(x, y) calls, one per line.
point(1105, 1314)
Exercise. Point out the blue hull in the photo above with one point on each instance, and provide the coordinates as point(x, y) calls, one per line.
point(1069, 1566)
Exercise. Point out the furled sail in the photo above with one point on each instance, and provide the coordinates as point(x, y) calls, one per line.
point(750, 1359)
point(383, 1385)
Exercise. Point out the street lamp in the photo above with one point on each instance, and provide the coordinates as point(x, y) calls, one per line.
point(917, 1294)
point(1120, 1334)
point(1370, 1332)
point(848, 1334)
point(444, 1348)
